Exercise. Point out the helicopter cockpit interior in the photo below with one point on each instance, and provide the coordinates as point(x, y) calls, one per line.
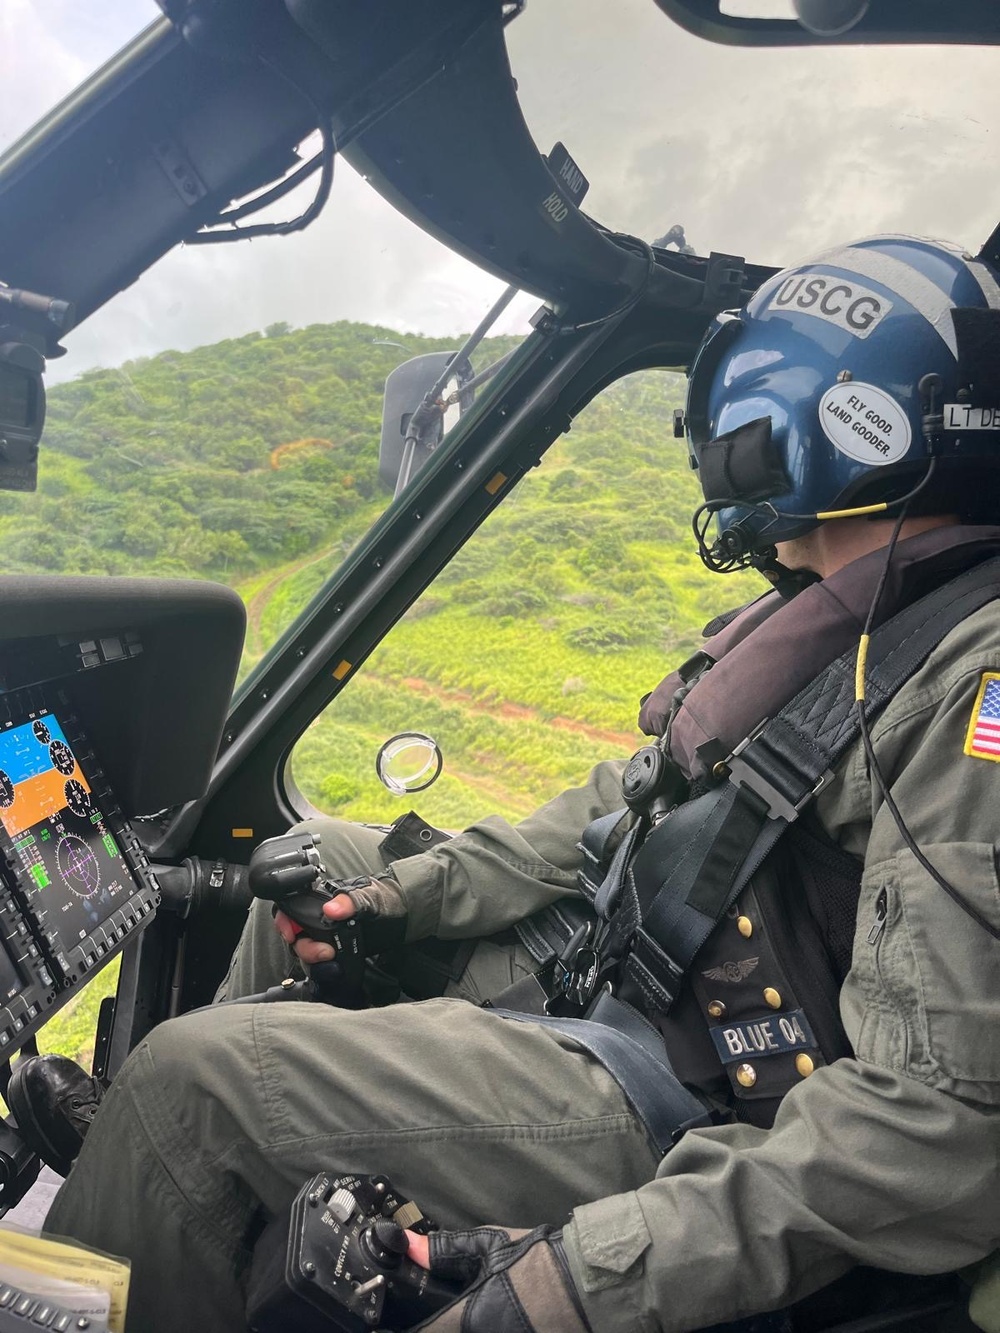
point(138, 765)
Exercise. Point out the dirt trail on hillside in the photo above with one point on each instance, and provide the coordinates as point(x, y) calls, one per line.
point(257, 604)
point(627, 741)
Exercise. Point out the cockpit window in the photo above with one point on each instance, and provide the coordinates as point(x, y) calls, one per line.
point(221, 417)
point(254, 461)
point(770, 153)
point(48, 48)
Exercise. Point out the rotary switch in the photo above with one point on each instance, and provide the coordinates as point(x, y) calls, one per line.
point(342, 1204)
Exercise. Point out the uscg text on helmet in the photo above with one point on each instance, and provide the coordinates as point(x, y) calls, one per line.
point(850, 306)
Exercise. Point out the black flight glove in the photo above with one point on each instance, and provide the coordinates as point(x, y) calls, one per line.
point(520, 1282)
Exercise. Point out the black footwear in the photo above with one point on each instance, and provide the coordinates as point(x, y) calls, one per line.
point(53, 1101)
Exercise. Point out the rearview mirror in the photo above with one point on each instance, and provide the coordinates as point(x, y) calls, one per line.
point(423, 399)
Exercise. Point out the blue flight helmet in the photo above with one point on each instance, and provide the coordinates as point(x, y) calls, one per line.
point(867, 375)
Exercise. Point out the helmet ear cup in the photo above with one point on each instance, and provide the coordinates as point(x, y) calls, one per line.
point(743, 464)
point(720, 338)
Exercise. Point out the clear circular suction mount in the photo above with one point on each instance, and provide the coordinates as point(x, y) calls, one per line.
point(409, 762)
point(830, 18)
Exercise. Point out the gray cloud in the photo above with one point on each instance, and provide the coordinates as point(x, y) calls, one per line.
point(47, 47)
point(770, 154)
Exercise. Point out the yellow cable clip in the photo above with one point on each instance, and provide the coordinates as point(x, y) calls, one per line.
point(850, 513)
point(859, 669)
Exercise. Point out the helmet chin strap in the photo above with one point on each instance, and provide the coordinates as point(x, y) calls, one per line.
point(787, 583)
point(735, 547)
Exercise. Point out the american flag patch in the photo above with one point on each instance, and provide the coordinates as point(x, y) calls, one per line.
point(983, 737)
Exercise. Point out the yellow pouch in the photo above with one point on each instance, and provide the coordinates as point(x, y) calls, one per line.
point(70, 1262)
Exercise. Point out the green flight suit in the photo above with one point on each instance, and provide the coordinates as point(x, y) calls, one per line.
point(478, 884)
point(889, 1158)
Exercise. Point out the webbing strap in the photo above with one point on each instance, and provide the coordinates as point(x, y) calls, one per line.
point(792, 751)
point(684, 907)
point(634, 1055)
point(694, 864)
point(593, 845)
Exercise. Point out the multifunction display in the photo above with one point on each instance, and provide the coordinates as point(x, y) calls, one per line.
point(75, 880)
point(68, 853)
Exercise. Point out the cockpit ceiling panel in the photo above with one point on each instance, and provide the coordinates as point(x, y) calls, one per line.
point(458, 158)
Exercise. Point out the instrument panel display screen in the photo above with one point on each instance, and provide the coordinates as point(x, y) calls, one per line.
point(72, 864)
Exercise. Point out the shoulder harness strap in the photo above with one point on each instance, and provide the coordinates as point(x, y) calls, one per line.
point(691, 867)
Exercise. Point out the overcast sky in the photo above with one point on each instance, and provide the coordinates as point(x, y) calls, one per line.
point(770, 154)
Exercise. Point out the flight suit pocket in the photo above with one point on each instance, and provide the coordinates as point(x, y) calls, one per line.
point(612, 1236)
point(955, 989)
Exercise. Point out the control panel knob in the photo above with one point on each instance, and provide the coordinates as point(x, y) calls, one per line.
point(391, 1236)
point(384, 1243)
point(342, 1204)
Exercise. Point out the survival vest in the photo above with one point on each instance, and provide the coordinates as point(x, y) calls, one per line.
point(728, 924)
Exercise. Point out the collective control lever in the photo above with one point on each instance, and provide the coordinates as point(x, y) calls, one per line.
point(289, 872)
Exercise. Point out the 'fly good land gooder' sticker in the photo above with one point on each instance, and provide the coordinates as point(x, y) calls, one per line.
point(864, 423)
point(854, 308)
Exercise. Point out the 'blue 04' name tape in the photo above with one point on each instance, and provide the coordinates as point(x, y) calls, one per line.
point(775, 1035)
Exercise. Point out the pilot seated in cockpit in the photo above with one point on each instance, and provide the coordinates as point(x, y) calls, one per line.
point(789, 978)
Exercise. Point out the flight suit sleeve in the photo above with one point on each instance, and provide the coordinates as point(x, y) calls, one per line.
point(891, 1158)
point(495, 873)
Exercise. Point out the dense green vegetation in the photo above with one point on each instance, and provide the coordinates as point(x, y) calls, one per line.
point(254, 461)
point(219, 462)
point(527, 657)
point(73, 1029)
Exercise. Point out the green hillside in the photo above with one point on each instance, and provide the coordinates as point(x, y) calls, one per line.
point(254, 461)
point(220, 462)
point(527, 658)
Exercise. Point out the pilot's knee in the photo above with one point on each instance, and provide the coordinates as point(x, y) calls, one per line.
point(340, 845)
point(171, 1056)
point(331, 833)
point(208, 1055)
point(260, 918)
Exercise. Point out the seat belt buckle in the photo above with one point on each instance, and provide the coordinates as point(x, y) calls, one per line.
point(581, 983)
point(741, 773)
point(579, 971)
